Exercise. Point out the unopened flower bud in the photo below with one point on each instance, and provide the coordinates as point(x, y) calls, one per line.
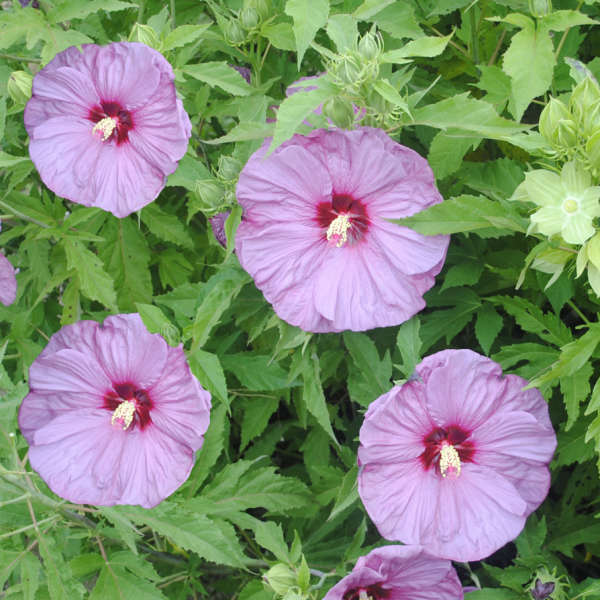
point(585, 104)
point(541, 591)
point(349, 69)
point(370, 46)
point(218, 226)
point(249, 18)
point(340, 111)
point(539, 8)
point(234, 33)
point(229, 168)
point(144, 34)
point(19, 86)
point(592, 149)
point(280, 578)
point(555, 112)
point(262, 8)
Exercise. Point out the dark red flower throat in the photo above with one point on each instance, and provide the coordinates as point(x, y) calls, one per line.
point(123, 118)
point(453, 435)
point(376, 592)
point(354, 210)
point(140, 398)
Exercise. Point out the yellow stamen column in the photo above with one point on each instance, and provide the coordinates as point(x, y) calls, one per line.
point(105, 126)
point(449, 461)
point(338, 230)
point(123, 414)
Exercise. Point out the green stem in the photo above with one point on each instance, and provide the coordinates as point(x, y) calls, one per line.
point(474, 37)
point(28, 527)
point(172, 14)
point(142, 5)
point(581, 315)
point(20, 58)
point(565, 33)
point(16, 213)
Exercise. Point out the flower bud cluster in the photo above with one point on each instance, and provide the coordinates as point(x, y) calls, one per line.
point(356, 70)
point(240, 29)
point(573, 130)
point(291, 583)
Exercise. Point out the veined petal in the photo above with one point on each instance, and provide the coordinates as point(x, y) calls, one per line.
point(577, 229)
point(544, 188)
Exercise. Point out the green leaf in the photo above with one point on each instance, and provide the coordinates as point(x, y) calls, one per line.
point(221, 288)
point(529, 61)
point(568, 533)
point(213, 540)
point(463, 113)
point(190, 171)
point(572, 445)
point(496, 83)
point(408, 342)
point(207, 368)
point(398, 19)
point(495, 594)
point(530, 542)
point(561, 20)
point(447, 150)
point(182, 35)
point(60, 582)
point(94, 281)
point(157, 322)
point(117, 583)
point(79, 9)
point(126, 256)
point(369, 8)
point(386, 90)
point(464, 273)
point(269, 535)
point(6, 160)
point(314, 398)
point(256, 372)
point(466, 213)
point(575, 389)
point(343, 31)
point(425, 47)
point(347, 494)
point(487, 326)
point(281, 35)
point(309, 16)
point(496, 178)
point(294, 110)
point(220, 74)
point(257, 412)
point(243, 132)
point(166, 226)
point(369, 375)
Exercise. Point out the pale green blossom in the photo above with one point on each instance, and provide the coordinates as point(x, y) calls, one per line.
point(568, 202)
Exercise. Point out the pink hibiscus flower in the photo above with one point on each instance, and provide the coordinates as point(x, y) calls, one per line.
point(8, 281)
point(114, 414)
point(456, 459)
point(315, 234)
point(398, 573)
point(105, 125)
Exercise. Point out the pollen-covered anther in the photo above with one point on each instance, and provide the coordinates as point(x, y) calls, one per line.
point(570, 205)
point(337, 232)
point(123, 414)
point(449, 461)
point(105, 127)
point(362, 595)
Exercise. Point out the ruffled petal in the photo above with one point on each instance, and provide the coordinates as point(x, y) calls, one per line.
point(8, 281)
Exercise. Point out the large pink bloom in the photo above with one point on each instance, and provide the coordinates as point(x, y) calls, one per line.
point(8, 281)
point(114, 414)
point(398, 573)
point(315, 234)
point(457, 458)
point(105, 125)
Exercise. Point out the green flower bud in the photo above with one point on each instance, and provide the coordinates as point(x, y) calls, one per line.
point(539, 8)
point(340, 111)
point(566, 134)
point(19, 86)
point(234, 33)
point(262, 8)
point(370, 46)
point(592, 149)
point(144, 34)
point(555, 112)
point(229, 168)
point(585, 105)
point(349, 69)
point(210, 194)
point(280, 578)
point(249, 18)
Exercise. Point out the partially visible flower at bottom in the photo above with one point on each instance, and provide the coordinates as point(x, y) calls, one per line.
point(113, 415)
point(399, 573)
point(8, 282)
point(245, 72)
point(218, 226)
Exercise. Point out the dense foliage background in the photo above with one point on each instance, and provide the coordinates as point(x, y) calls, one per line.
point(463, 82)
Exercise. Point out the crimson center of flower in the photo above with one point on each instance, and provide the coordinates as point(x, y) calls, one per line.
point(112, 121)
point(343, 219)
point(446, 449)
point(130, 406)
point(371, 592)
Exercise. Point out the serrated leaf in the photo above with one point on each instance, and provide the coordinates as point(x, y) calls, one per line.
point(213, 540)
point(256, 372)
point(467, 272)
point(182, 35)
point(60, 582)
point(347, 494)
point(447, 150)
point(79, 9)
point(269, 535)
point(6, 160)
point(369, 8)
point(207, 368)
point(575, 389)
point(461, 112)
point(281, 35)
point(399, 20)
point(94, 281)
point(572, 445)
point(387, 91)
point(257, 413)
point(425, 47)
point(408, 342)
point(243, 132)
point(126, 256)
point(116, 583)
point(487, 326)
point(343, 31)
point(308, 16)
point(313, 396)
point(529, 62)
point(530, 542)
point(560, 20)
point(166, 226)
point(465, 213)
point(220, 74)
